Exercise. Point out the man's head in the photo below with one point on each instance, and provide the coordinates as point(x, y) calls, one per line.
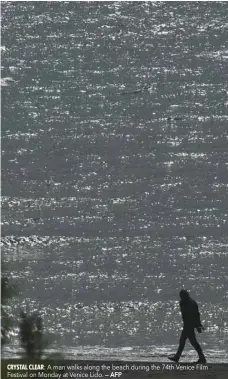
point(184, 295)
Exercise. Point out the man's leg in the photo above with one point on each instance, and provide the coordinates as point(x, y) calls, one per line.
point(182, 341)
point(183, 338)
point(196, 345)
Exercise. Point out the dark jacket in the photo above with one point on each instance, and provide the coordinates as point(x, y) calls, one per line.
point(190, 313)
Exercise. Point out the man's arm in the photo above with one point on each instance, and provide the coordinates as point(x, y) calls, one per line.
point(199, 326)
point(182, 310)
point(198, 322)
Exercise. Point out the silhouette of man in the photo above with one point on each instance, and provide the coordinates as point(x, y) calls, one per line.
point(191, 320)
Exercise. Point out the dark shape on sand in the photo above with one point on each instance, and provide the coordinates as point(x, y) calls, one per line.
point(191, 320)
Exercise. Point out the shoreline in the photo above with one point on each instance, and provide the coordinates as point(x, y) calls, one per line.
point(97, 353)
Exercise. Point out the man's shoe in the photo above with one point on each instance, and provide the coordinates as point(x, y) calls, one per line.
point(201, 361)
point(174, 358)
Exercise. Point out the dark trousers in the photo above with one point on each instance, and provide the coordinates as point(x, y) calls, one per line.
point(190, 334)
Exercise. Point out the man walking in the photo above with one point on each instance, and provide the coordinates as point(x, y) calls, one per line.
point(191, 319)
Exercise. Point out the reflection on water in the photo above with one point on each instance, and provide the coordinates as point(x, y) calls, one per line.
point(114, 180)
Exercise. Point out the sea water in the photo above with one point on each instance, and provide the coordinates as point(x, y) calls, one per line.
point(114, 172)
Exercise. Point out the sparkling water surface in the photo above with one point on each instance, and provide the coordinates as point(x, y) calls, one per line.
point(115, 172)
